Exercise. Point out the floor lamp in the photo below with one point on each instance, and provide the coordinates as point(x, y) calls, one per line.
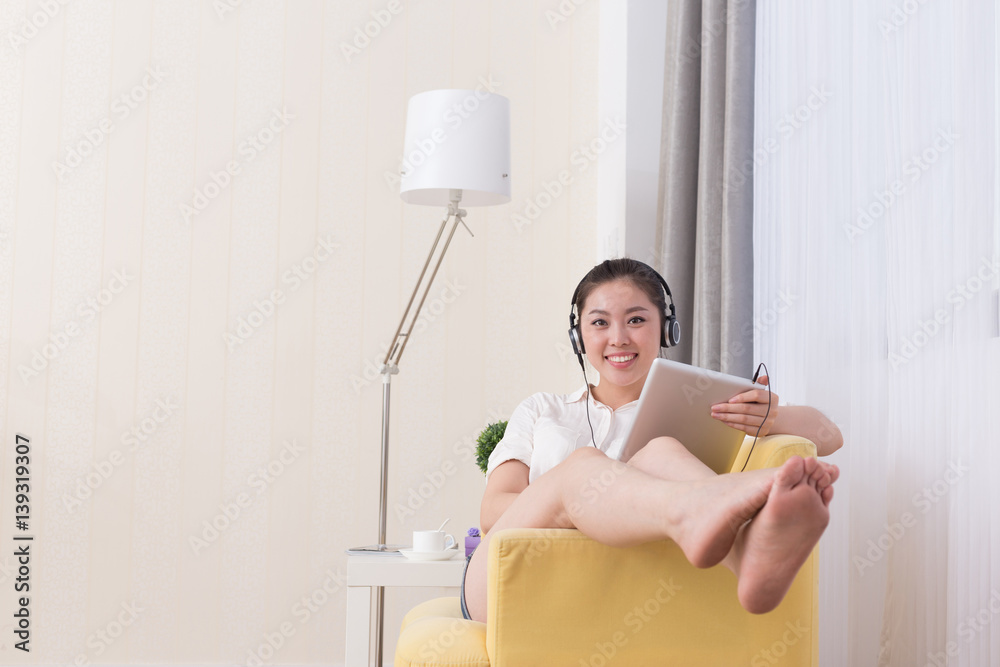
point(456, 151)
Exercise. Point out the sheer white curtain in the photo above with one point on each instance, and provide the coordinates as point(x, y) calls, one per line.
point(876, 277)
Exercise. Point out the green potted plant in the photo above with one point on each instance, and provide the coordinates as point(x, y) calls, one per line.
point(487, 442)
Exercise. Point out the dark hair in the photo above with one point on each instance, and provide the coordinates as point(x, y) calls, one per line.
point(631, 270)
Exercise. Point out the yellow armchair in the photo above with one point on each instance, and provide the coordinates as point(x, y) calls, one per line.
point(556, 598)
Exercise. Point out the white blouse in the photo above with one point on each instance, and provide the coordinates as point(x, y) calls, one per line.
point(545, 428)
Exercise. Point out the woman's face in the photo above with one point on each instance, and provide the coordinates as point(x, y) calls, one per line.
point(621, 332)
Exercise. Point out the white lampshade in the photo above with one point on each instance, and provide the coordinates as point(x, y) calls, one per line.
point(456, 140)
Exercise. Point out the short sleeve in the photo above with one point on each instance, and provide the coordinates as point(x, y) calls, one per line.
point(517, 442)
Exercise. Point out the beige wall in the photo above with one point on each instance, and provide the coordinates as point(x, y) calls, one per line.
point(220, 78)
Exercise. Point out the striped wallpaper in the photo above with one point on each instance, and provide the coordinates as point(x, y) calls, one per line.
point(202, 258)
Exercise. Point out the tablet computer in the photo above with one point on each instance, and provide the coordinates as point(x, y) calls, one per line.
point(677, 401)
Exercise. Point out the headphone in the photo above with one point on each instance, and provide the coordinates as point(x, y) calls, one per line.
point(670, 336)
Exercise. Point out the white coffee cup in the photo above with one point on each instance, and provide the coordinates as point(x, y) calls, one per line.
point(432, 540)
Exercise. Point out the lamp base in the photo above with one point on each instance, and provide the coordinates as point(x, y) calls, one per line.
point(377, 549)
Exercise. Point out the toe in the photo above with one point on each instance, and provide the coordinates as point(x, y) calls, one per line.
point(834, 473)
point(819, 477)
point(810, 464)
point(813, 472)
point(791, 473)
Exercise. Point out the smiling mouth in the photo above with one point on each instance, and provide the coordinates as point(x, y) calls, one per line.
point(621, 360)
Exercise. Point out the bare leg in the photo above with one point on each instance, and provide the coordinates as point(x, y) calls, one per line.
point(702, 516)
point(667, 458)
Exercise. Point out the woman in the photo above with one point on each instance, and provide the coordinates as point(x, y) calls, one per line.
point(761, 524)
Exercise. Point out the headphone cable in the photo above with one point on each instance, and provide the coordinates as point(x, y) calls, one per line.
point(765, 414)
point(587, 382)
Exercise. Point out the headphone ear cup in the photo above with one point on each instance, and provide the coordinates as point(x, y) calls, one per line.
point(672, 331)
point(575, 340)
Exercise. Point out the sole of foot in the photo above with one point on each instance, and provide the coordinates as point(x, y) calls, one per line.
point(780, 538)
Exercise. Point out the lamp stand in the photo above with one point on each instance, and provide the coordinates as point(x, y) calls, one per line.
point(390, 367)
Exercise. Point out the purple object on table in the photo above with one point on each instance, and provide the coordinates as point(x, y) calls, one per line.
point(472, 541)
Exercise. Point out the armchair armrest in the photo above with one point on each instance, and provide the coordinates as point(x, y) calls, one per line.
point(557, 597)
point(772, 450)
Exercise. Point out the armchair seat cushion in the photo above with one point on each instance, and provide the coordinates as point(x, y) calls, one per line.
point(435, 633)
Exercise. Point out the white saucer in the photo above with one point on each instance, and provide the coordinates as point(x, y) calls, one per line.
point(429, 555)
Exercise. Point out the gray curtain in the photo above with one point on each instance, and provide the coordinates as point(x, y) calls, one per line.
point(705, 211)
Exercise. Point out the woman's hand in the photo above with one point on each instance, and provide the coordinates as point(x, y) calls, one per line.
point(746, 411)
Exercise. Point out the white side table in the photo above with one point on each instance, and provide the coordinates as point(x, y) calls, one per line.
point(366, 572)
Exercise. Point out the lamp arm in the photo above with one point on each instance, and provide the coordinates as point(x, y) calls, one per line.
point(396, 336)
point(393, 356)
point(430, 281)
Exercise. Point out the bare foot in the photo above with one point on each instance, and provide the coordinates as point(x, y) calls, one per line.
point(780, 538)
point(706, 515)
